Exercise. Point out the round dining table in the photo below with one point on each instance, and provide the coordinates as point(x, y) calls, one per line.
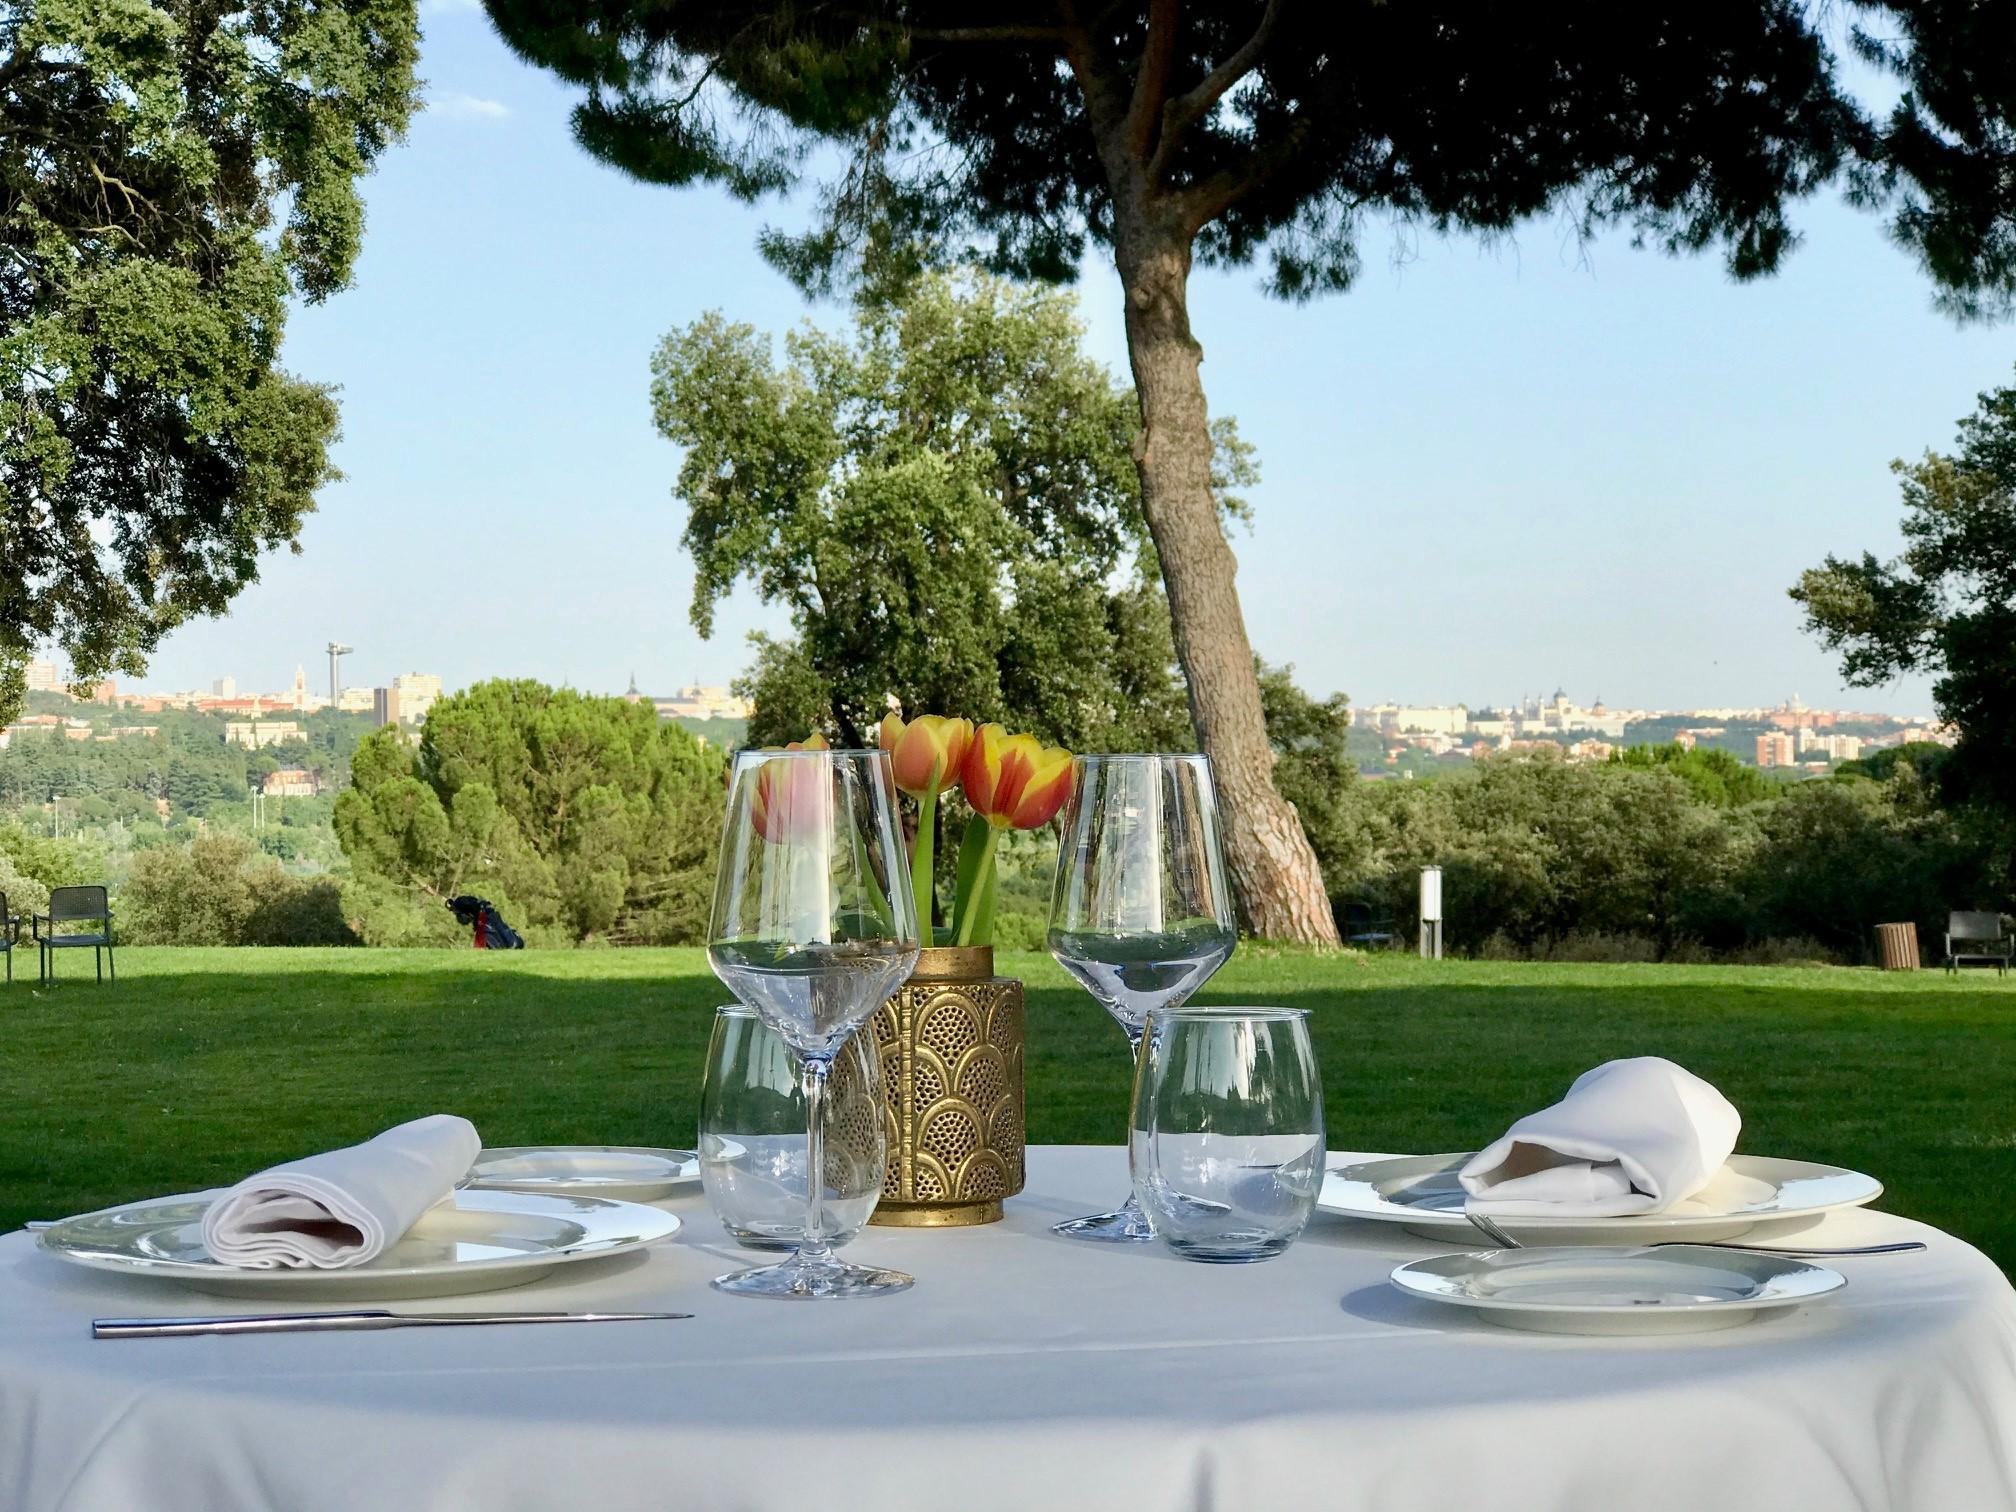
point(1024, 1371)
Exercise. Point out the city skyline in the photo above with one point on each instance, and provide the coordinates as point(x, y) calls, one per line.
point(228, 685)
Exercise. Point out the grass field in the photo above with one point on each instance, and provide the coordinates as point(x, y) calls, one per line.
point(203, 1064)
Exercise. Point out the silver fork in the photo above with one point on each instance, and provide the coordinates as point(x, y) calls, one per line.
point(1497, 1235)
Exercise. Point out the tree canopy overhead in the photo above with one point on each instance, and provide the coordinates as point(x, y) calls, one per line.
point(171, 173)
point(1232, 130)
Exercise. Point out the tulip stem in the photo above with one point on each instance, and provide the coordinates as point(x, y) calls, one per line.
point(976, 882)
point(923, 858)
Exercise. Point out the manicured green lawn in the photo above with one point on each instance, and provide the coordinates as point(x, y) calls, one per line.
point(203, 1064)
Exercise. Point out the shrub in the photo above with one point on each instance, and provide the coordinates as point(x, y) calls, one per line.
point(1543, 859)
point(220, 890)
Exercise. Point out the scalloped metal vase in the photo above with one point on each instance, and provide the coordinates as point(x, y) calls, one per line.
point(950, 1041)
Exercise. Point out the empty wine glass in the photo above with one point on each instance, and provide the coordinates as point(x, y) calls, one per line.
point(813, 928)
point(752, 1134)
point(1140, 912)
point(1226, 1137)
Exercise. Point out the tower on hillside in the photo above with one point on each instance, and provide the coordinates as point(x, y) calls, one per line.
point(337, 651)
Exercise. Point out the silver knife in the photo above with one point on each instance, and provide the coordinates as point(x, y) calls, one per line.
point(343, 1322)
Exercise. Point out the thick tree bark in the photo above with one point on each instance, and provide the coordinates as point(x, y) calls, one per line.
point(1279, 884)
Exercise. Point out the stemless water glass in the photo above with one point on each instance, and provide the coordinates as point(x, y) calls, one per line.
point(1140, 912)
point(813, 928)
point(752, 1135)
point(1226, 1143)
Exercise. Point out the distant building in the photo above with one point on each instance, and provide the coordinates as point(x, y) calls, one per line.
point(1415, 719)
point(695, 702)
point(255, 734)
point(1591, 750)
point(357, 701)
point(1833, 747)
point(1776, 751)
point(384, 707)
point(45, 677)
point(289, 782)
point(225, 687)
point(1794, 715)
point(417, 693)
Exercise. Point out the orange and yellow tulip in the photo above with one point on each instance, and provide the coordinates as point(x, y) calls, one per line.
point(927, 753)
point(1015, 781)
point(1011, 782)
point(791, 798)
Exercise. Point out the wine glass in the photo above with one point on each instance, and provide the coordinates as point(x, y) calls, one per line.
point(813, 928)
point(1140, 912)
point(752, 1135)
point(1226, 1143)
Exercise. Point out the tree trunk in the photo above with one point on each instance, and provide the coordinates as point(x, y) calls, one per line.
point(1279, 884)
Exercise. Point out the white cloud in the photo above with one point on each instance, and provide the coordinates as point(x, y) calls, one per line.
point(467, 107)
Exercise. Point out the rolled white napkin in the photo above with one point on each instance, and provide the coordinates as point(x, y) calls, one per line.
point(343, 1207)
point(1631, 1136)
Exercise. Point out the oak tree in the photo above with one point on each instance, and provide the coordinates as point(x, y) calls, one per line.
point(172, 173)
point(945, 506)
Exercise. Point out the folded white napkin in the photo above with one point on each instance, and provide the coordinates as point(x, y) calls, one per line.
point(344, 1207)
point(1631, 1136)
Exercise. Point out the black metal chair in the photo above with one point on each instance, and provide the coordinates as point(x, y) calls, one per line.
point(1977, 937)
point(1363, 925)
point(10, 933)
point(73, 906)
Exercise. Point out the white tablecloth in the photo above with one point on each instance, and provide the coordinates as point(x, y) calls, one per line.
point(1023, 1372)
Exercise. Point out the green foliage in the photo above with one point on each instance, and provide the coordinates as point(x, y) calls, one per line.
point(25, 894)
point(1713, 775)
point(947, 506)
point(1313, 767)
point(1539, 853)
point(580, 817)
point(1279, 130)
point(170, 174)
point(1947, 606)
point(219, 890)
point(52, 862)
point(1927, 758)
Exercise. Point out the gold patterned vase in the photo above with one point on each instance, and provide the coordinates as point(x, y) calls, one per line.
point(951, 1048)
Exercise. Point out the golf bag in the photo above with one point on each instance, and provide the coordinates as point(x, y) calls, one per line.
point(487, 927)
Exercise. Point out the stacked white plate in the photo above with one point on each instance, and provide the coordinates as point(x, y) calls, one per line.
point(1579, 1274)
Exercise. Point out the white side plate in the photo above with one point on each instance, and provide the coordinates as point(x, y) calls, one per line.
point(1421, 1191)
point(1678, 1289)
point(627, 1172)
point(473, 1242)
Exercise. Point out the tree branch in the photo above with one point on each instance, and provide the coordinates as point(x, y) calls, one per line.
point(986, 33)
point(1102, 104)
point(1183, 112)
point(1207, 199)
point(1151, 76)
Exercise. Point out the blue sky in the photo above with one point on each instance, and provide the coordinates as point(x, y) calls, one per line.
point(1486, 470)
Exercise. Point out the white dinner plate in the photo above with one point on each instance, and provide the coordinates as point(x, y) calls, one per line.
point(1682, 1288)
point(628, 1172)
point(473, 1242)
point(1421, 1192)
